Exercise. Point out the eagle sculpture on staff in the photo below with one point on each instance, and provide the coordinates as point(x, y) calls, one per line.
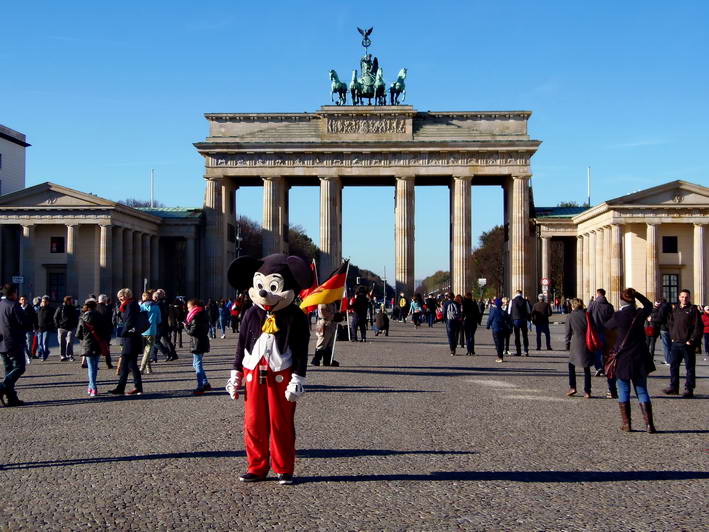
point(365, 36)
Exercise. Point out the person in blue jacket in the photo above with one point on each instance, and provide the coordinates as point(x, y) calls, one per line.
point(151, 333)
point(501, 324)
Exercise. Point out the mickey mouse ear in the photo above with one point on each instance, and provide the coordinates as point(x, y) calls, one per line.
point(241, 272)
point(300, 271)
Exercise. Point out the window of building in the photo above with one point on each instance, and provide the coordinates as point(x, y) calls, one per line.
point(56, 244)
point(670, 287)
point(669, 244)
point(56, 285)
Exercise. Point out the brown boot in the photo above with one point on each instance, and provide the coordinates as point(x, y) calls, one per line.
point(647, 416)
point(625, 416)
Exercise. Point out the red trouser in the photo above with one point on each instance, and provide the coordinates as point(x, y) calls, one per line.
point(269, 413)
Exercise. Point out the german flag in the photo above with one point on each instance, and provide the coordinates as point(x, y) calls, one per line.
point(329, 291)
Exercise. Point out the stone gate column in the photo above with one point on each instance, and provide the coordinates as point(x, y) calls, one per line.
point(616, 265)
point(461, 233)
point(118, 261)
point(546, 250)
point(275, 215)
point(586, 268)
point(607, 257)
point(330, 225)
point(155, 261)
point(105, 259)
point(190, 268)
point(214, 245)
point(147, 263)
point(72, 273)
point(519, 228)
point(651, 262)
point(591, 264)
point(137, 263)
point(699, 295)
point(598, 255)
point(128, 260)
point(27, 262)
point(579, 266)
point(404, 234)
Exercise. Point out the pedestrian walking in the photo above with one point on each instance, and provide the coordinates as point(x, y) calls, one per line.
point(359, 316)
point(579, 355)
point(325, 330)
point(66, 319)
point(176, 319)
point(454, 319)
point(213, 314)
point(197, 327)
point(520, 311)
point(652, 328)
point(633, 361)
point(93, 343)
point(133, 326)
point(601, 311)
point(45, 323)
point(508, 334)
point(541, 312)
point(686, 329)
point(105, 330)
point(416, 309)
point(705, 322)
point(431, 306)
point(31, 316)
point(224, 316)
point(150, 334)
point(14, 324)
point(499, 321)
point(472, 317)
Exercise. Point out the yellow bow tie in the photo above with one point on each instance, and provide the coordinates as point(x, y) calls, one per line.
point(269, 326)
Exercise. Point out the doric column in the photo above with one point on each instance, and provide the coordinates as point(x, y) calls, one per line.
point(591, 265)
point(275, 215)
point(218, 207)
point(155, 261)
point(598, 259)
point(519, 227)
point(119, 260)
point(27, 262)
point(137, 263)
point(105, 259)
point(579, 266)
point(190, 289)
point(461, 234)
point(607, 257)
point(699, 295)
point(616, 265)
point(651, 262)
point(72, 273)
point(546, 250)
point(147, 263)
point(404, 206)
point(330, 225)
point(128, 260)
point(586, 268)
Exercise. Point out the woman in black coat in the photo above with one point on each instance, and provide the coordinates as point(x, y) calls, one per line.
point(197, 325)
point(579, 355)
point(89, 332)
point(633, 361)
point(132, 343)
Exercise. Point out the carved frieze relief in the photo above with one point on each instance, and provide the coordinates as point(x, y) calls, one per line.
point(365, 126)
point(367, 159)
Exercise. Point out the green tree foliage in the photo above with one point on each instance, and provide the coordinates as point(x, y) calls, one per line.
point(437, 282)
point(301, 245)
point(488, 260)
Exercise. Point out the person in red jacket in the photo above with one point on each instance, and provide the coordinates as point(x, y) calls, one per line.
point(705, 321)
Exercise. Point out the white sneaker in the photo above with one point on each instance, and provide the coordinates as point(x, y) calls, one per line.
point(223, 336)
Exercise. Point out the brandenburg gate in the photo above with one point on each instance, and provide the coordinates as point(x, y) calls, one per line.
point(384, 145)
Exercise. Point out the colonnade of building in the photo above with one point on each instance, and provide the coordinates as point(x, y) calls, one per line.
point(220, 198)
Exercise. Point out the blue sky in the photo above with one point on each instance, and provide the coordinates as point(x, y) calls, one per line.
point(104, 94)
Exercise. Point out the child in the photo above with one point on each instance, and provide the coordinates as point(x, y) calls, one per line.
point(197, 326)
point(89, 332)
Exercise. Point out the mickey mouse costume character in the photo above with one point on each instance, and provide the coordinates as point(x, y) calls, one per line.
point(271, 360)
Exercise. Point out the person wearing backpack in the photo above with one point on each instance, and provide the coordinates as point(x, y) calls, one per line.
point(454, 318)
point(197, 326)
point(501, 324)
point(134, 324)
point(89, 333)
point(150, 334)
point(579, 355)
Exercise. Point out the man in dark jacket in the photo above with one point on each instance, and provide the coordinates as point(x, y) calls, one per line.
point(132, 343)
point(359, 318)
point(45, 323)
point(162, 340)
point(500, 322)
point(541, 312)
point(520, 311)
point(686, 328)
point(471, 319)
point(13, 325)
point(599, 312)
point(106, 328)
point(66, 319)
point(29, 334)
point(430, 310)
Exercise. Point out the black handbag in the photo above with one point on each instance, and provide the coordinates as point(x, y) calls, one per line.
point(611, 360)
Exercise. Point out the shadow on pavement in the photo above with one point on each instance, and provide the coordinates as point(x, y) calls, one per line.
point(519, 476)
point(302, 453)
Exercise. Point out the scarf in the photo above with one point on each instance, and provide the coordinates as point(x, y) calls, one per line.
point(193, 313)
point(125, 304)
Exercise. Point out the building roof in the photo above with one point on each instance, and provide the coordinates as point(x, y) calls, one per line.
point(13, 136)
point(557, 212)
point(172, 212)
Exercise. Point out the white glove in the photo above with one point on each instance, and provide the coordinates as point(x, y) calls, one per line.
point(295, 388)
point(234, 383)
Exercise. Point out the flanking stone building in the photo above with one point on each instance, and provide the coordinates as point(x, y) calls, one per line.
point(655, 240)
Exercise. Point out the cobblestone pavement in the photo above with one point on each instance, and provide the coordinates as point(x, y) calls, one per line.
point(401, 437)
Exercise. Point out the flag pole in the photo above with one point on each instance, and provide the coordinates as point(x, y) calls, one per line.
point(337, 330)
